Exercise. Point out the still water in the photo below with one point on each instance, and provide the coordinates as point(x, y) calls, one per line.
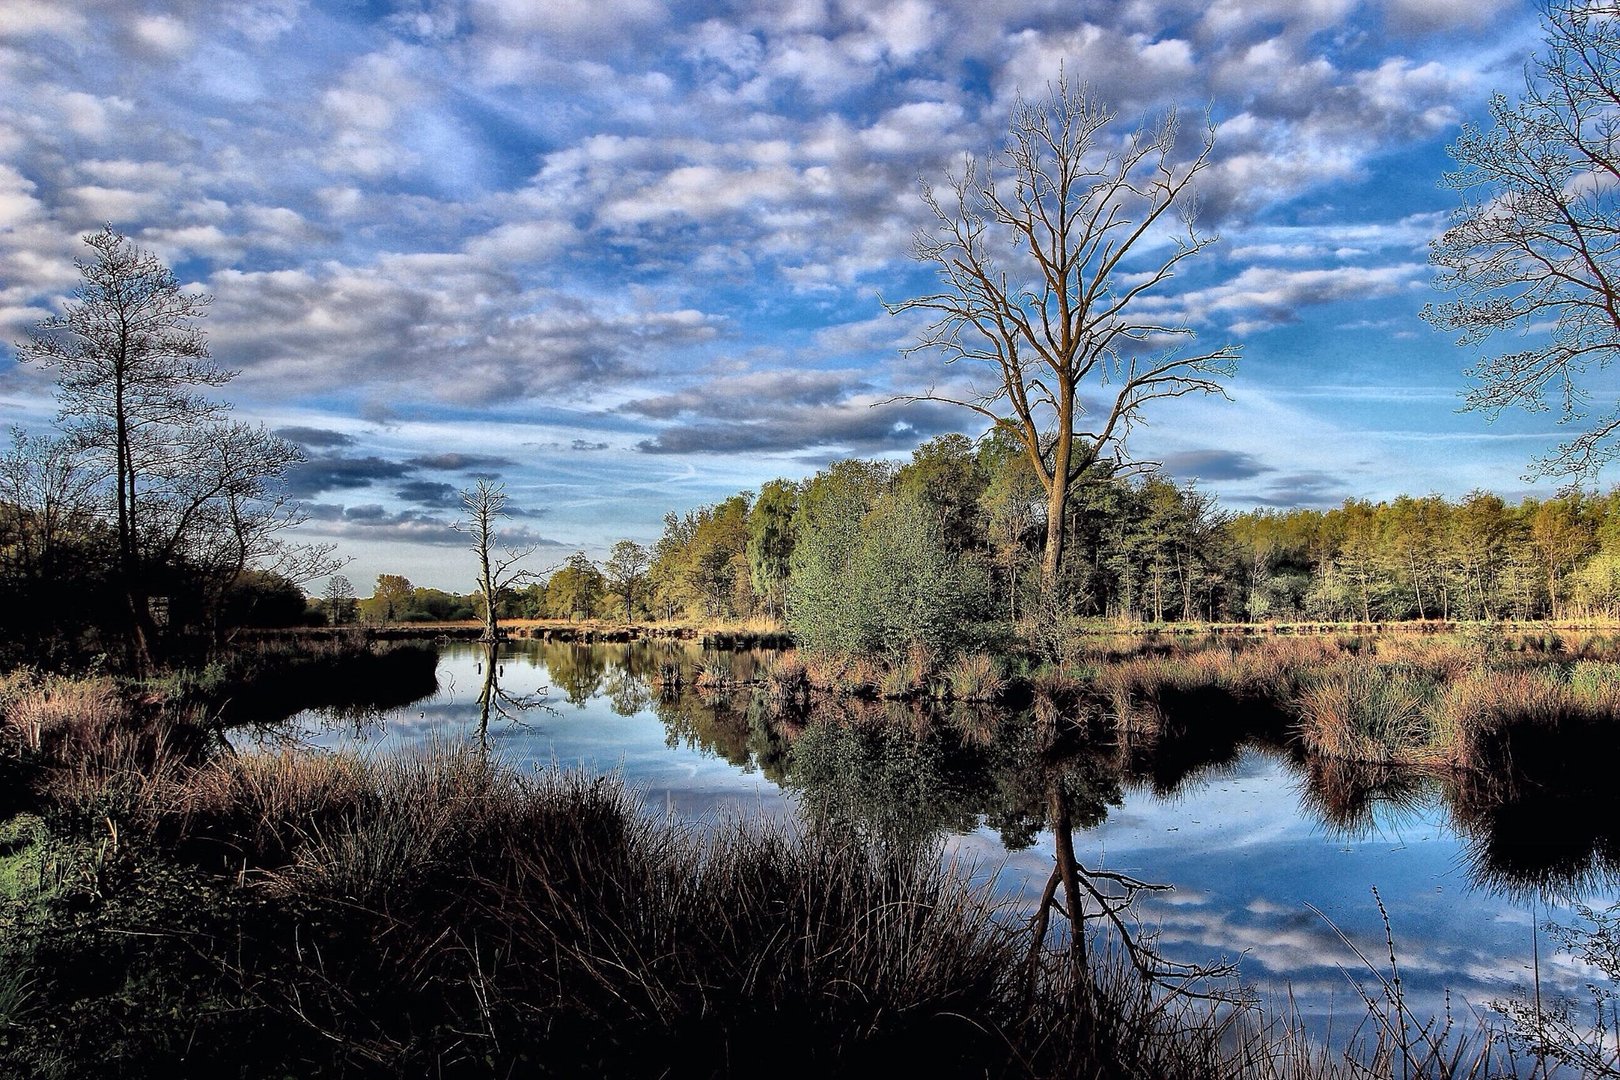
point(1274, 861)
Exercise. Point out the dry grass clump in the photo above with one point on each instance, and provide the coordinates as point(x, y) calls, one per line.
point(850, 676)
point(975, 677)
point(58, 717)
point(1361, 710)
point(94, 754)
point(785, 679)
point(1483, 714)
point(714, 672)
point(1059, 703)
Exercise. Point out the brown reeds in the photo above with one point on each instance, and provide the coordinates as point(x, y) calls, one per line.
point(975, 677)
point(1360, 710)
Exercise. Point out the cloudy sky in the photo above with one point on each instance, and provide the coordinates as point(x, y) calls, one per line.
point(627, 256)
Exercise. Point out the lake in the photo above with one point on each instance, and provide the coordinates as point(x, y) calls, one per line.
point(1274, 859)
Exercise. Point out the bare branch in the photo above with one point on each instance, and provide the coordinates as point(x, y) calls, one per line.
point(1032, 264)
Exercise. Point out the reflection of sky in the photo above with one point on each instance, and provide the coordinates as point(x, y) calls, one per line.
point(684, 779)
point(1248, 866)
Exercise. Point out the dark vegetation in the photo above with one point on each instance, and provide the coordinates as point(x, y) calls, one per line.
point(171, 911)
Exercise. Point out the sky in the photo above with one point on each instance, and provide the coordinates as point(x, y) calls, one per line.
point(630, 257)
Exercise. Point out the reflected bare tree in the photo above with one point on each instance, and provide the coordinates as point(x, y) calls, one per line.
point(500, 703)
point(1109, 898)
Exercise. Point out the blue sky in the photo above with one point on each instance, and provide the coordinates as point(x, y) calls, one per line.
point(627, 256)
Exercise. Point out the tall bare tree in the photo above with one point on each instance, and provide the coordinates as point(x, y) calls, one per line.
point(192, 493)
point(1532, 252)
point(1044, 259)
point(497, 567)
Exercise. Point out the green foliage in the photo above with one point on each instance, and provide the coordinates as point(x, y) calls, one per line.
point(882, 580)
point(626, 576)
point(700, 565)
point(771, 537)
point(577, 590)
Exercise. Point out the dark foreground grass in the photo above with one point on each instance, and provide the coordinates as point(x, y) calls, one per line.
point(172, 910)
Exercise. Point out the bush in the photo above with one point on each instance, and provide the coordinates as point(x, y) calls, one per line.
point(888, 584)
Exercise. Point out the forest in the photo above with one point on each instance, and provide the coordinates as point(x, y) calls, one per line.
point(956, 532)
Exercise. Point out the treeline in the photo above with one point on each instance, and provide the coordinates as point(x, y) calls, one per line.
point(946, 547)
point(865, 550)
point(1431, 558)
point(62, 598)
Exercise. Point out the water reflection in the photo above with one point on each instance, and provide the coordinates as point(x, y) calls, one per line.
point(504, 704)
point(1255, 836)
point(914, 771)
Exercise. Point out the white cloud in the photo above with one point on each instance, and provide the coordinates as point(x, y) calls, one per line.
point(161, 35)
point(24, 18)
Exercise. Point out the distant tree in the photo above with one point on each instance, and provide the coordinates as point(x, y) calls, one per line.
point(189, 491)
point(576, 589)
point(1533, 254)
point(700, 565)
point(338, 600)
point(770, 542)
point(392, 597)
point(626, 568)
point(496, 568)
point(436, 605)
point(1042, 268)
point(56, 556)
point(1561, 538)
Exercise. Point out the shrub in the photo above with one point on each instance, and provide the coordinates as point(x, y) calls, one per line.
point(975, 677)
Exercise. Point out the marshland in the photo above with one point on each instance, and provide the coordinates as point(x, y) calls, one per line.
point(1004, 750)
point(560, 857)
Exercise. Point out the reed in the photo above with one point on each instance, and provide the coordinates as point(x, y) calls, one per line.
point(975, 677)
point(1360, 710)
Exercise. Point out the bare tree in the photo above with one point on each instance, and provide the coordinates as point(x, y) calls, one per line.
point(1532, 250)
point(1044, 268)
point(339, 600)
point(486, 504)
point(191, 492)
point(46, 496)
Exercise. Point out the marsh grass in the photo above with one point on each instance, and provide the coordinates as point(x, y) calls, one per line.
point(975, 677)
point(1453, 700)
point(1360, 710)
point(444, 914)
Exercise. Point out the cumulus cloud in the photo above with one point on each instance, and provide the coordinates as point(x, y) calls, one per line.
point(428, 324)
point(374, 523)
point(491, 207)
point(771, 413)
point(1261, 297)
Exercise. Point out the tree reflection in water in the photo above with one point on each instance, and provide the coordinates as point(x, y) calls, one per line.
point(1546, 829)
point(494, 701)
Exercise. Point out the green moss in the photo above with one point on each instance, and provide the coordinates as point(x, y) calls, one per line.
point(22, 852)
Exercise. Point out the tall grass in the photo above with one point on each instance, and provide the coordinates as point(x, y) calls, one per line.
point(443, 914)
point(1360, 710)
